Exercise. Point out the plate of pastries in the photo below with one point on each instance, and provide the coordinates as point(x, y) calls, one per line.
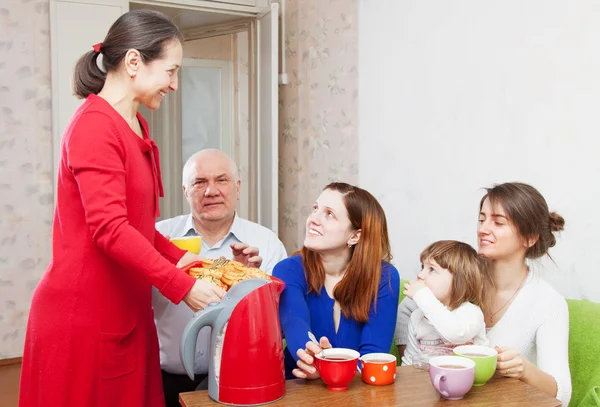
point(224, 273)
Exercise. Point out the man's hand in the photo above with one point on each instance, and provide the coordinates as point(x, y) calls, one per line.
point(245, 254)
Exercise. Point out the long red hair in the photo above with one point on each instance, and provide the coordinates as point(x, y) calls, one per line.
point(359, 286)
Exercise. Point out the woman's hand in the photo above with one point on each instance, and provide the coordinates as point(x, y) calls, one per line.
point(306, 368)
point(201, 294)
point(187, 258)
point(411, 288)
point(510, 363)
point(246, 254)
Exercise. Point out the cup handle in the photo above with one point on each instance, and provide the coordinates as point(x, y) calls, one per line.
point(316, 363)
point(437, 384)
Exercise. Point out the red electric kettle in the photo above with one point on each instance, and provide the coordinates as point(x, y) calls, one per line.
point(246, 351)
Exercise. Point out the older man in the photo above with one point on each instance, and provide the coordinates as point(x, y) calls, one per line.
point(211, 186)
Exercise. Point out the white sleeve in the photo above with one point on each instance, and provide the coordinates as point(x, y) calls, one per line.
point(552, 342)
point(405, 309)
point(276, 253)
point(458, 326)
point(281, 252)
point(164, 227)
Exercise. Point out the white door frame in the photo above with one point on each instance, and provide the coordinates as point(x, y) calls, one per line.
point(267, 101)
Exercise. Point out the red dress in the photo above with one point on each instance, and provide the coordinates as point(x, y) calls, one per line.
point(91, 339)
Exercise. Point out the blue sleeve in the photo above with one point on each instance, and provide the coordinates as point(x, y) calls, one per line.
point(378, 334)
point(293, 310)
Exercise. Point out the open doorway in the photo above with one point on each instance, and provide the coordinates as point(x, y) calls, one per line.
point(211, 108)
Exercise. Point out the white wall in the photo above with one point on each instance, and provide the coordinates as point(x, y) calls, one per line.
point(455, 96)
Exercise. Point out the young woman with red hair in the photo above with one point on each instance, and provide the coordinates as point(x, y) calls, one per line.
point(341, 286)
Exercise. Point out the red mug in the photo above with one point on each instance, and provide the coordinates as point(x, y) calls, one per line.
point(337, 367)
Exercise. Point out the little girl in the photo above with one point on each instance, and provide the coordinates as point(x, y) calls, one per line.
point(449, 292)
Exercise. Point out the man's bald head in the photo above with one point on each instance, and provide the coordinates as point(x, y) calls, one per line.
point(210, 158)
point(211, 186)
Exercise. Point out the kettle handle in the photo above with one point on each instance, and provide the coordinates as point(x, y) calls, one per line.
point(206, 317)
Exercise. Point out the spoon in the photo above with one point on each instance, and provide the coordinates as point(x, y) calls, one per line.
point(314, 340)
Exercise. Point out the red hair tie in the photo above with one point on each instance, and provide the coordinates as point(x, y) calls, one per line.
point(98, 47)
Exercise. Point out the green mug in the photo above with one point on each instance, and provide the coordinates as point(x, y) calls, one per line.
point(485, 359)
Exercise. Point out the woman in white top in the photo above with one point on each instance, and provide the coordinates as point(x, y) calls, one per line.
point(527, 320)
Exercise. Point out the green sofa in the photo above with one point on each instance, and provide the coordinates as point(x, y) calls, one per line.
point(591, 398)
point(584, 351)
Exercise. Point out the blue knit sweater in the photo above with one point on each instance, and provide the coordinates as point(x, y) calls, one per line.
point(301, 311)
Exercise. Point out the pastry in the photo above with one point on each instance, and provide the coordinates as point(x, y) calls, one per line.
point(227, 275)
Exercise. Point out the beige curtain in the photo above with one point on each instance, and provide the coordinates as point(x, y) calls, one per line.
point(318, 108)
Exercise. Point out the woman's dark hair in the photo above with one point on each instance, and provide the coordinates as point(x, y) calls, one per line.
point(147, 31)
point(527, 209)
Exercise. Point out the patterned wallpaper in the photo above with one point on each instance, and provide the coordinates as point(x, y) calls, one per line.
point(26, 184)
point(318, 119)
point(318, 109)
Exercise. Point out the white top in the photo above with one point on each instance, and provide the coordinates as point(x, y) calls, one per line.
point(536, 324)
point(435, 330)
point(171, 319)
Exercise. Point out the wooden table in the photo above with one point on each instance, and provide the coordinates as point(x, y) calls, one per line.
point(412, 388)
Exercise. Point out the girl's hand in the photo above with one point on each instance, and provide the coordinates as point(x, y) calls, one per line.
point(411, 288)
point(510, 363)
point(306, 368)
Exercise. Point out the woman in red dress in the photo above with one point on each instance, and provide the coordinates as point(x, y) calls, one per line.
point(91, 339)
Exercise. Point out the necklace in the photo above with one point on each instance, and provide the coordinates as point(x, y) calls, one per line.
point(509, 300)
